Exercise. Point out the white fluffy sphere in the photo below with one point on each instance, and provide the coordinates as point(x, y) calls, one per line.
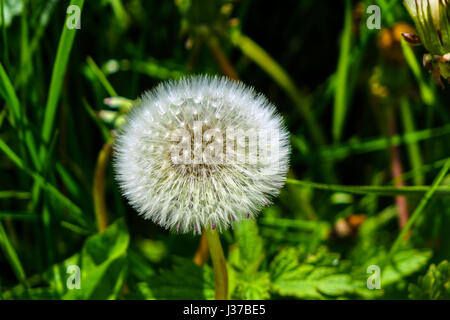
point(201, 152)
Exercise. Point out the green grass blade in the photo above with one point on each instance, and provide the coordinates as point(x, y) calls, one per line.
point(344, 150)
point(426, 91)
point(374, 190)
point(120, 13)
point(18, 216)
point(42, 182)
point(18, 116)
point(413, 148)
point(10, 95)
point(156, 69)
point(8, 194)
point(100, 124)
point(423, 203)
point(341, 95)
point(59, 70)
point(11, 255)
point(101, 77)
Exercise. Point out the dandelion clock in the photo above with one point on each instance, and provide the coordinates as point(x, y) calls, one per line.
point(199, 154)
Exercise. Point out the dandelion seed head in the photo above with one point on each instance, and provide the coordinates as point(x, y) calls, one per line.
point(188, 196)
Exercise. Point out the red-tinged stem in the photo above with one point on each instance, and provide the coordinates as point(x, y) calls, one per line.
point(219, 263)
point(397, 170)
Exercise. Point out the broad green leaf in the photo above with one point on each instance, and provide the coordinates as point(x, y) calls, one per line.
point(404, 263)
point(185, 281)
point(103, 264)
point(254, 286)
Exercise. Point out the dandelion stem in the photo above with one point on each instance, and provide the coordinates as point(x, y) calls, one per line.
point(219, 263)
point(98, 191)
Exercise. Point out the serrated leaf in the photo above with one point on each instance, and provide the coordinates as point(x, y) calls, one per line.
point(254, 286)
point(249, 251)
point(315, 277)
point(185, 281)
point(404, 264)
point(434, 285)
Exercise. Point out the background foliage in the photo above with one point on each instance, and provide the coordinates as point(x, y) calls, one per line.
point(355, 101)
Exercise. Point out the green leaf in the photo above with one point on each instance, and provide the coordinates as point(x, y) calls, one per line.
point(245, 259)
point(11, 254)
point(19, 117)
point(103, 264)
point(311, 277)
point(404, 263)
point(101, 77)
point(248, 253)
point(139, 268)
point(310, 232)
point(254, 286)
point(185, 281)
point(435, 284)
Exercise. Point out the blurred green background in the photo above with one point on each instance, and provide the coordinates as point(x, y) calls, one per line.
point(368, 127)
